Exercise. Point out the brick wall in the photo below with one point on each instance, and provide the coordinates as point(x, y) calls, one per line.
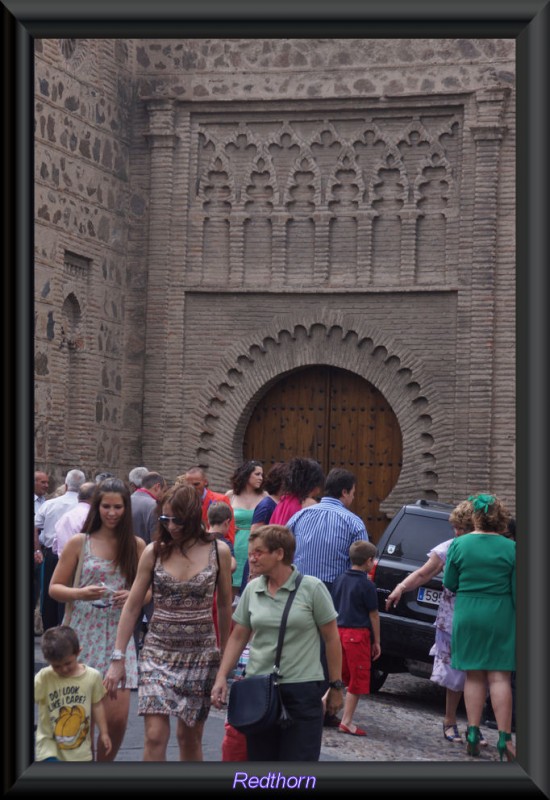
point(250, 206)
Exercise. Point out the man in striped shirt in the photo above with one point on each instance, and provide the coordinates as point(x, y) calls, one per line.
point(324, 533)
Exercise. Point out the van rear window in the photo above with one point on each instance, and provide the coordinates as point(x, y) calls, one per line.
point(415, 535)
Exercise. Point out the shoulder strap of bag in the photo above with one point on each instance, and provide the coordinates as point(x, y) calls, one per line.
point(284, 618)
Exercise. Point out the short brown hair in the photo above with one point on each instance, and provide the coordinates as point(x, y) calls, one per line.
point(275, 537)
point(361, 551)
point(60, 642)
point(219, 512)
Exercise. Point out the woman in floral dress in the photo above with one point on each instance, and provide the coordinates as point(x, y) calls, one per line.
point(111, 555)
point(180, 656)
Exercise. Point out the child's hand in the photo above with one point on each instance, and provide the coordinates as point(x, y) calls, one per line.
point(376, 651)
point(106, 742)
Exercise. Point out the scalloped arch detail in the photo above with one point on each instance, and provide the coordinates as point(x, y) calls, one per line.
point(251, 366)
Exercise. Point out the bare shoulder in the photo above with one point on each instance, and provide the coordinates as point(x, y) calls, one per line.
point(223, 549)
point(140, 544)
point(229, 493)
point(146, 553)
point(75, 543)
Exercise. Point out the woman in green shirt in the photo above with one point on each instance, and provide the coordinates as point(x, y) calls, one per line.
point(312, 616)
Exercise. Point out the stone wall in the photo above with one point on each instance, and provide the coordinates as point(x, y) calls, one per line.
point(250, 206)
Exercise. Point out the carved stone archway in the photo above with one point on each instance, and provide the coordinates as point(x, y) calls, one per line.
point(254, 364)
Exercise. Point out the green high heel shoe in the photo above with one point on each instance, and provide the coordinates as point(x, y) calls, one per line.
point(472, 740)
point(502, 746)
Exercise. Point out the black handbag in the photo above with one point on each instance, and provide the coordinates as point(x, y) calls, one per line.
point(255, 703)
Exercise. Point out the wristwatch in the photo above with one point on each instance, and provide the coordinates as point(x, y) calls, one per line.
point(117, 655)
point(336, 684)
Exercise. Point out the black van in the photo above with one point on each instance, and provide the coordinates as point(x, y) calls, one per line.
point(407, 632)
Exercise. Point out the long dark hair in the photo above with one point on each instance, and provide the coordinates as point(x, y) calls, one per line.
point(187, 506)
point(240, 477)
point(303, 475)
point(127, 556)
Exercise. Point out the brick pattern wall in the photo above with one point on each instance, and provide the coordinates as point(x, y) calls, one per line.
point(250, 206)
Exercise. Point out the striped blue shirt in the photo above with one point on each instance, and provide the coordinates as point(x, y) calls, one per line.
point(324, 533)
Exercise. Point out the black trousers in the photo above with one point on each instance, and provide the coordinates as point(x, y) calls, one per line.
point(52, 611)
point(300, 741)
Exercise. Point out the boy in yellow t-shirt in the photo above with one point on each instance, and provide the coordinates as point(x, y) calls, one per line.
point(69, 696)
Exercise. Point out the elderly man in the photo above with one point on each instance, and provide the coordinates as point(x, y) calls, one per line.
point(44, 521)
point(135, 477)
point(144, 505)
point(73, 520)
point(196, 477)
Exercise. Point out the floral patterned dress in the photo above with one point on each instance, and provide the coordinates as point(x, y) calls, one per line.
point(442, 672)
point(180, 656)
point(96, 627)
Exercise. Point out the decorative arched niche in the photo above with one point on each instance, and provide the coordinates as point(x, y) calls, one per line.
point(251, 366)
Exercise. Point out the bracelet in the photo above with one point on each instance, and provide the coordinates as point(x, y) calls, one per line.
point(117, 655)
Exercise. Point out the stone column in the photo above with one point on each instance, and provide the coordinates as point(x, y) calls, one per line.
point(408, 218)
point(487, 136)
point(161, 367)
point(364, 247)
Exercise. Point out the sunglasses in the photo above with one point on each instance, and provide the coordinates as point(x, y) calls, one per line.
point(164, 520)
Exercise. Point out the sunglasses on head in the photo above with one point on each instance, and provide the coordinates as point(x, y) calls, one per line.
point(164, 520)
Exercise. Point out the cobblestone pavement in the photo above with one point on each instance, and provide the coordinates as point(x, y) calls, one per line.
point(404, 723)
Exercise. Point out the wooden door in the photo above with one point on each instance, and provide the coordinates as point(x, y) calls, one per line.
point(339, 419)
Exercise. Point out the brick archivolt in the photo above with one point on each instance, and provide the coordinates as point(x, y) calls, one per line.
point(250, 367)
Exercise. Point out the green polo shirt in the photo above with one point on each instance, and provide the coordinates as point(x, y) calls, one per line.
point(262, 613)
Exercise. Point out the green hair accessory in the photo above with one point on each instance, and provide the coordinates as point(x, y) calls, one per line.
point(481, 502)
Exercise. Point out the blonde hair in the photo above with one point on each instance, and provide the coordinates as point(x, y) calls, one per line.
point(461, 516)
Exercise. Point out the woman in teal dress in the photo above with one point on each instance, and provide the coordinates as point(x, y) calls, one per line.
point(246, 493)
point(481, 570)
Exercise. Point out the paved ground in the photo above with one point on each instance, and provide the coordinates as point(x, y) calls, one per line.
point(403, 722)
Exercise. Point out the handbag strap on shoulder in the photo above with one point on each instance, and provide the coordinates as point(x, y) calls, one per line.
point(282, 628)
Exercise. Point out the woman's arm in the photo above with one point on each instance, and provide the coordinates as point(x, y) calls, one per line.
point(419, 577)
point(235, 645)
point(224, 594)
point(120, 597)
point(333, 650)
point(128, 618)
point(61, 584)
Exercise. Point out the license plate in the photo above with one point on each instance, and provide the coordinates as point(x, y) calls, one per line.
point(431, 596)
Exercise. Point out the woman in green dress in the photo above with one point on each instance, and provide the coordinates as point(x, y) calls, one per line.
point(246, 493)
point(481, 570)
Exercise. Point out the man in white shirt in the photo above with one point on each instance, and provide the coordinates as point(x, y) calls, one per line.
point(41, 484)
point(73, 520)
point(44, 520)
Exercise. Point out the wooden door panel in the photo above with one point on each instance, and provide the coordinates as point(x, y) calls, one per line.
point(339, 419)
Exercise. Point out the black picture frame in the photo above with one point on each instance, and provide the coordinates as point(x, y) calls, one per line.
point(527, 21)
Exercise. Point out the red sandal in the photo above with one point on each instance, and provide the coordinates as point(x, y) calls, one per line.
point(357, 732)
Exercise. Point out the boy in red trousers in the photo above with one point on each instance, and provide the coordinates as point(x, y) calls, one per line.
point(355, 599)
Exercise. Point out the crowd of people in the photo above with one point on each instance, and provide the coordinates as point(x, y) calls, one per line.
point(167, 587)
